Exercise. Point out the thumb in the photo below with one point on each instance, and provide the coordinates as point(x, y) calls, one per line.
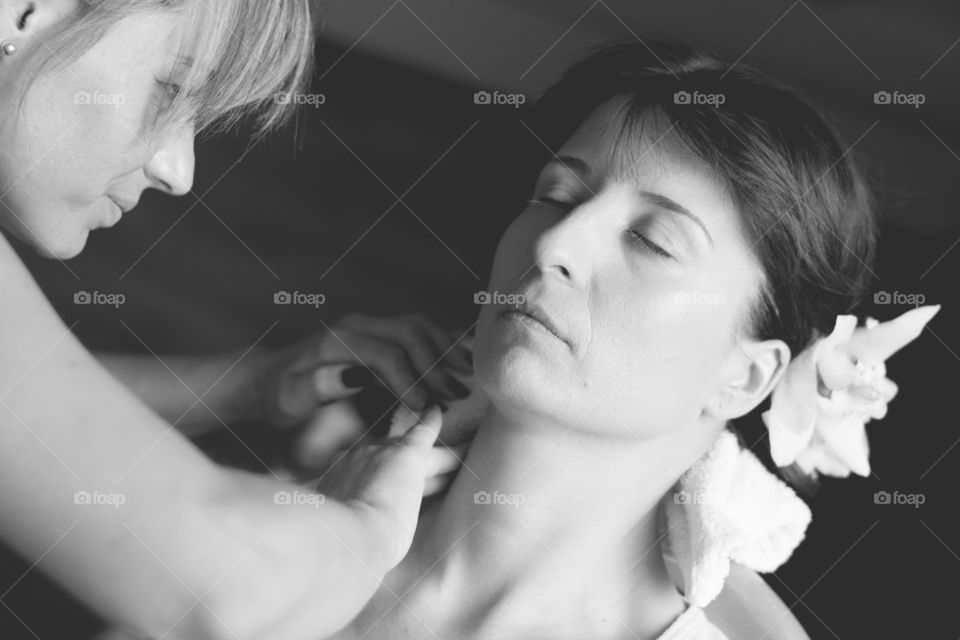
point(424, 433)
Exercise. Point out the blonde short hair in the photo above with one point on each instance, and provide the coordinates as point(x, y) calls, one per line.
point(245, 53)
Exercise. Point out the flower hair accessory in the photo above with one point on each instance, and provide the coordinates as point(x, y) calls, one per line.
point(819, 409)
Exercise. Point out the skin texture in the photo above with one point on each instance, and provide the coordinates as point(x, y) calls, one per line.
point(267, 570)
point(588, 431)
point(641, 360)
point(83, 158)
point(84, 145)
point(193, 550)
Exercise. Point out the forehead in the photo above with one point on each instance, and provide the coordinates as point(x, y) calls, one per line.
point(648, 155)
point(141, 40)
point(643, 153)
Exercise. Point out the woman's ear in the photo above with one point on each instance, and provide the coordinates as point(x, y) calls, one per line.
point(747, 377)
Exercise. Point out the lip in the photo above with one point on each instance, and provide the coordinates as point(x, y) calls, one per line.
point(125, 206)
point(537, 314)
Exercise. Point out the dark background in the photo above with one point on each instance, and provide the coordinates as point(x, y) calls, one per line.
point(314, 209)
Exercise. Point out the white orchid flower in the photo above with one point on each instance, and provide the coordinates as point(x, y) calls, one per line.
point(819, 410)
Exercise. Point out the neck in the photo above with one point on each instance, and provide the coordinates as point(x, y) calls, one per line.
point(554, 518)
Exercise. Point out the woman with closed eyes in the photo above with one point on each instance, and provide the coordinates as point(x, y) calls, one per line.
point(674, 257)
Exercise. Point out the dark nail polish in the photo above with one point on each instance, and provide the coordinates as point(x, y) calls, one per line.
point(458, 389)
point(356, 377)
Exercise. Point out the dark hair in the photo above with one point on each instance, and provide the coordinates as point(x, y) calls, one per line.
point(804, 204)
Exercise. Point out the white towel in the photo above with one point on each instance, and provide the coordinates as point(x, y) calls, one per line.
point(728, 507)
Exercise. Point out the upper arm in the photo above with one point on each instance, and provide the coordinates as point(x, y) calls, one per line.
point(68, 427)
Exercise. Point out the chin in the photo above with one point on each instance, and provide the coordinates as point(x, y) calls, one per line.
point(59, 247)
point(58, 233)
point(521, 381)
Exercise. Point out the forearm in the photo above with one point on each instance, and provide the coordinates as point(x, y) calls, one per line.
point(126, 514)
point(117, 495)
point(118, 521)
point(194, 393)
point(311, 576)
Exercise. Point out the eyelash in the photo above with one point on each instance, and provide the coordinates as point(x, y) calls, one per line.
point(546, 200)
point(170, 89)
point(649, 244)
point(636, 236)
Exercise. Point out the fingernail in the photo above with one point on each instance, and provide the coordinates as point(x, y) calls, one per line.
point(461, 364)
point(443, 407)
point(356, 377)
point(458, 389)
point(426, 411)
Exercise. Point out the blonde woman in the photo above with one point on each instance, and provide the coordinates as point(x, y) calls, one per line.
point(99, 490)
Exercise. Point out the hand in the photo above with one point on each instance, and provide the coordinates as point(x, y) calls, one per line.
point(310, 560)
point(388, 479)
point(400, 353)
point(338, 426)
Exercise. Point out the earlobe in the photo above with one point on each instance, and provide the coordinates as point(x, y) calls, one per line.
point(757, 368)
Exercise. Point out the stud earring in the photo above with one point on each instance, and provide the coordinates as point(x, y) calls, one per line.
point(8, 48)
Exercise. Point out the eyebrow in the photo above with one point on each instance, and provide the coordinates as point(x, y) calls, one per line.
point(580, 166)
point(571, 162)
point(663, 202)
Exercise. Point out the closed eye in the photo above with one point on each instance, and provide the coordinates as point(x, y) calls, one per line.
point(552, 202)
point(171, 89)
point(648, 244)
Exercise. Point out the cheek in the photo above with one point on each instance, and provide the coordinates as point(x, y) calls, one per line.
point(76, 144)
point(651, 360)
point(60, 158)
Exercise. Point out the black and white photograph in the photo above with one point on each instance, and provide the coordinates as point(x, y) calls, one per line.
point(479, 320)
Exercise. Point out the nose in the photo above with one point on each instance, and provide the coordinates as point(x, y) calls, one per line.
point(567, 249)
point(171, 168)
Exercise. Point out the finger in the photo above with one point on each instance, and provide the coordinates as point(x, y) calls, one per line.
point(301, 392)
point(465, 338)
point(441, 460)
point(425, 433)
point(436, 484)
point(427, 359)
point(412, 335)
point(457, 353)
point(332, 427)
point(444, 354)
point(393, 369)
point(401, 421)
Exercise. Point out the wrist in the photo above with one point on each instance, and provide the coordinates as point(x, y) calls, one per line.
point(379, 534)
